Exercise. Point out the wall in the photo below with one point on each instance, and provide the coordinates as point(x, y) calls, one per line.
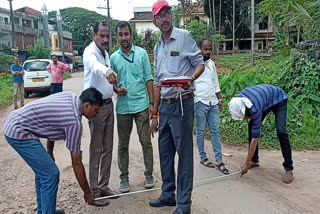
point(143, 26)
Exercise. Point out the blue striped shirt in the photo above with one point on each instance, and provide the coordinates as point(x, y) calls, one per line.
point(56, 117)
point(262, 97)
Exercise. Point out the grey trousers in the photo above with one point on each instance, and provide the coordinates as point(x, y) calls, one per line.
point(125, 122)
point(20, 86)
point(101, 145)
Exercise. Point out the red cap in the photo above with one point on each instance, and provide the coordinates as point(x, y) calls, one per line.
point(158, 6)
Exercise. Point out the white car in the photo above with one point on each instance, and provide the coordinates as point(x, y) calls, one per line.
point(36, 77)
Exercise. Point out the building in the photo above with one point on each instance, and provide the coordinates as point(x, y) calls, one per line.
point(143, 19)
point(28, 27)
point(55, 42)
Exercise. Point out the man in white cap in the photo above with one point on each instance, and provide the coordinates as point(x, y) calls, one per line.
point(255, 103)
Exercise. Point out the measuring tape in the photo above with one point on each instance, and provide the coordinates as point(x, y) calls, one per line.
point(154, 189)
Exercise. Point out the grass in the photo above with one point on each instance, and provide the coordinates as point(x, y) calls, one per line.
point(6, 88)
point(302, 134)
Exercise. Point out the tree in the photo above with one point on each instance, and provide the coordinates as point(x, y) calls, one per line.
point(242, 17)
point(197, 29)
point(80, 22)
point(38, 51)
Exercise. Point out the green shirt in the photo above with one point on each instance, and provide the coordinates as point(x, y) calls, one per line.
point(133, 72)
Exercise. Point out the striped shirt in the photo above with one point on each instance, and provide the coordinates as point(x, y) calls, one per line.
point(56, 117)
point(263, 97)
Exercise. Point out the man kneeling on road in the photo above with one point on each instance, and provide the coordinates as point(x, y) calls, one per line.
point(255, 103)
point(56, 117)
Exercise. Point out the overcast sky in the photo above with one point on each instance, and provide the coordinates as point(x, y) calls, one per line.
point(120, 9)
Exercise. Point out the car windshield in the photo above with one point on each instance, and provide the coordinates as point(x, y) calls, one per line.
point(36, 66)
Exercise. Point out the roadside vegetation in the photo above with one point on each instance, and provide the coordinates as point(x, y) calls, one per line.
point(300, 81)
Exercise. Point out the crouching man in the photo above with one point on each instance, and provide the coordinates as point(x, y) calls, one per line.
point(56, 117)
point(255, 103)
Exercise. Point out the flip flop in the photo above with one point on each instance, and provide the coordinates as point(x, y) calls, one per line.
point(223, 170)
point(207, 163)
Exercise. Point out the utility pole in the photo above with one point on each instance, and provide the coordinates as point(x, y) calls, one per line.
point(45, 27)
point(214, 17)
point(108, 12)
point(108, 8)
point(13, 31)
point(252, 32)
point(233, 25)
point(60, 33)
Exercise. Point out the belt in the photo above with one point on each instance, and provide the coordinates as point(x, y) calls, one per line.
point(174, 100)
point(107, 101)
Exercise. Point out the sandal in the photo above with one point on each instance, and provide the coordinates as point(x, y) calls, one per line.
point(222, 168)
point(207, 163)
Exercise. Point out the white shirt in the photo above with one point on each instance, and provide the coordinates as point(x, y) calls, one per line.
point(95, 70)
point(207, 85)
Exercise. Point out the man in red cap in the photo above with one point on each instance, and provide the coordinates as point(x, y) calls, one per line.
point(175, 55)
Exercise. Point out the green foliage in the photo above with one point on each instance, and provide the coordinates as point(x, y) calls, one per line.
point(80, 22)
point(303, 82)
point(6, 60)
point(147, 40)
point(38, 51)
point(197, 29)
point(303, 114)
point(6, 90)
point(242, 17)
point(66, 75)
point(290, 18)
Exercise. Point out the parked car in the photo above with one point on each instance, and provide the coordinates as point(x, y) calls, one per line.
point(36, 77)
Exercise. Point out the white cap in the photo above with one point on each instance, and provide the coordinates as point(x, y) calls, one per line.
point(237, 107)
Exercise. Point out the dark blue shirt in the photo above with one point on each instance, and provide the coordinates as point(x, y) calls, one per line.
point(263, 97)
point(16, 78)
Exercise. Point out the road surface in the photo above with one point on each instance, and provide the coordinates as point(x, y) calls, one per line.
point(260, 191)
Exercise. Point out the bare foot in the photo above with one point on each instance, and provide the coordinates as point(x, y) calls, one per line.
point(288, 177)
point(253, 165)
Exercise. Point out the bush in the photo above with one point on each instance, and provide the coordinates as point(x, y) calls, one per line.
point(6, 90)
point(303, 119)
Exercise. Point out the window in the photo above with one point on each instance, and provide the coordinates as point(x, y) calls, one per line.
point(6, 21)
point(259, 46)
point(26, 23)
point(16, 21)
point(264, 24)
point(35, 24)
point(36, 66)
point(56, 41)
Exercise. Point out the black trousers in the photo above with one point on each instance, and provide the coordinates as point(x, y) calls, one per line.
point(280, 112)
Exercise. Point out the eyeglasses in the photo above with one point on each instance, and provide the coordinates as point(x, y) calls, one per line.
point(162, 16)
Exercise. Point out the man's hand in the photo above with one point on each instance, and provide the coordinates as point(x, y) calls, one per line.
point(154, 126)
point(120, 91)
point(111, 76)
point(186, 86)
point(89, 198)
point(220, 104)
point(244, 169)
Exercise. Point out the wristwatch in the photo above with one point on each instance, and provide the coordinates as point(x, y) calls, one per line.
point(220, 100)
point(151, 103)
